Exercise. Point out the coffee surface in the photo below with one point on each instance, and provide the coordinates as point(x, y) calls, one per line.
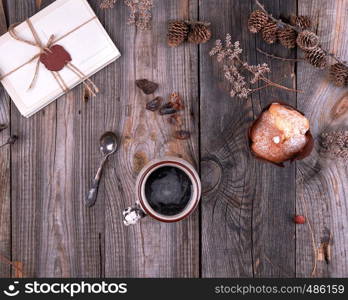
point(168, 190)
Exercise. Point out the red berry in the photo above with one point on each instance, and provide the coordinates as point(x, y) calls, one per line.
point(299, 219)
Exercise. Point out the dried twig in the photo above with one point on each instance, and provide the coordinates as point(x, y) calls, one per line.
point(229, 54)
point(282, 23)
point(260, 88)
point(278, 57)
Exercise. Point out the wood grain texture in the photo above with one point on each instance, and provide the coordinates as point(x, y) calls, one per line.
point(5, 171)
point(54, 235)
point(150, 249)
point(321, 183)
point(247, 207)
point(244, 227)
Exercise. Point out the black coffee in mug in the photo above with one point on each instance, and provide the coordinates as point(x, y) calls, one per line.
point(168, 190)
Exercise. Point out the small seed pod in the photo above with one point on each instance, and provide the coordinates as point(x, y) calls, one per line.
point(339, 74)
point(287, 37)
point(316, 57)
point(270, 32)
point(177, 33)
point(257, 20)
point(199, 33)
point(307, 40)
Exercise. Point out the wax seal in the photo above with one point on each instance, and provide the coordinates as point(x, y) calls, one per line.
point(56, 58)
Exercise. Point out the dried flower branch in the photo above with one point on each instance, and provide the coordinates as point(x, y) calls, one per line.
point(298, 29)
point(140, 11)
point(334, 144)
point(107, 4)
point(229, 54)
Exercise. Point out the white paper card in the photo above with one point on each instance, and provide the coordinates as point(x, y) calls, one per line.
point(90, 47)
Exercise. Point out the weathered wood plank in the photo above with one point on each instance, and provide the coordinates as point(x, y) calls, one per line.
point(247, 206)
point(149, 249)
point(322, 186)
point(54, 235)
point(5, 171)
point(274, 207)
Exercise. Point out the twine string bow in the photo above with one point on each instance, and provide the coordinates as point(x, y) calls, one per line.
point(45, 49)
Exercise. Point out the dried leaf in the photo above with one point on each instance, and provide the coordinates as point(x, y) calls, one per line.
point(148, 87)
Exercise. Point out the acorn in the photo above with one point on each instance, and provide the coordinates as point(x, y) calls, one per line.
point(280, 134)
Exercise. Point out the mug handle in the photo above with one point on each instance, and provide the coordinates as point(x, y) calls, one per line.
point(132, 215)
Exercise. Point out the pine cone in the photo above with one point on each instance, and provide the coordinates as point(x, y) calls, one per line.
point(316, 57)
point(307, 40)
point(339, 74)
point(257, 20)
point(177, 33)
point(303, 22)
point(199, 33)
point(269, 32)
point(287, 37)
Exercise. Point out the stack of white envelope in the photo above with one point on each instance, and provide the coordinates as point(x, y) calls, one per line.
point(88, 44)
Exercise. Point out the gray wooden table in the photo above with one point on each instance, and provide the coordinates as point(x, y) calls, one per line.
point(243, 227)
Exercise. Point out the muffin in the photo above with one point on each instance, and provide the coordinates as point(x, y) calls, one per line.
point(281, 133)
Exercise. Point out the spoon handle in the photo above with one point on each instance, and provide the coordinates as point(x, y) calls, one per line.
point(93, 192)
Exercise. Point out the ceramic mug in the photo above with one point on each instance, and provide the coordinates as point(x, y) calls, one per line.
point(143, 208)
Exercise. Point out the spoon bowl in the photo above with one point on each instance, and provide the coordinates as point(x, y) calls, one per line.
point(108, 145)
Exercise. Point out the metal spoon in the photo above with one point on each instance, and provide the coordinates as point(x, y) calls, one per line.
point(108, 146)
